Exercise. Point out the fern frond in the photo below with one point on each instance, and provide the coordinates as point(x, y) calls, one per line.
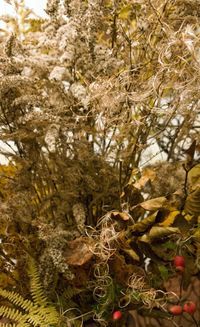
point(37, 313)
point(71, 314)
point(70, 292)
point(8, 325)
point(40, 315)
point(36, 318)
point(12, 313)
point(16, 299)
point(37, 292)
point(23, 324)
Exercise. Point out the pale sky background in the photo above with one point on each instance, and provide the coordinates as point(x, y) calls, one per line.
point(37, 5)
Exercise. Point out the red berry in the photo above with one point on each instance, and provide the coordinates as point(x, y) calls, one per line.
point(117, 315)
point(176, 310)
point(180, 270)
point(190, 307)
point(179, 261)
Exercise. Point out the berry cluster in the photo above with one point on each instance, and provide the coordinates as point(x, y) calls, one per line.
point(175, 310)
point(190, 307)
point(179, 263)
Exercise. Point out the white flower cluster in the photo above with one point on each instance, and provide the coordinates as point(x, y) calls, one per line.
point(51, 137)
point(79, 92)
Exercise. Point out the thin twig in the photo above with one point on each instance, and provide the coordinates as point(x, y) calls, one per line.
point(195, 321)
point(120, 176)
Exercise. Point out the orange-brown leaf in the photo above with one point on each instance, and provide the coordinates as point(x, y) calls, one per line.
point(78, 251)
point(122, 215)
point(148, 174)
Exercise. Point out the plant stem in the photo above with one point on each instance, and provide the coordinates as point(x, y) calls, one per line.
point(181, 288)
point(196, 323)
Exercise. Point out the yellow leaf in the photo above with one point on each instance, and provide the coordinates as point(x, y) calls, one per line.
point(100, 37)
point(194, 176)
point(122, 215)
point(134, 24)
point(132, 254)
point(5, 280)
point(125, 12)
point(170, 219)
point(144, 238)
point(133, 174)
point(167, 91)
point(3, 227)
point(152, 102)
point(192, 203)
point(188, 217)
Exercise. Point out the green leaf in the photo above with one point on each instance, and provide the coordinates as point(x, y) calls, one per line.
point(163, 271)
point(169, 245)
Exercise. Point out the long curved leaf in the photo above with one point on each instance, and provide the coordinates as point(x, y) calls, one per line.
point(160, 232)
point(153, 204)
point(145, 223)
point(192, 203)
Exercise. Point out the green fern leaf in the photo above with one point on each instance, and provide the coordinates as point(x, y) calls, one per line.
point(11, 313)
point(70, 292)
point(8, 325)
point(16, 299)
point(36, 313)
point(35, 284)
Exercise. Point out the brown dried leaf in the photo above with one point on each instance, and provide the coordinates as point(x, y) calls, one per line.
point(144, 238)
point(145, 223)
point(78, 251)
point(194, 176)
point(160, 232)
point(118, 214)
point(192, 203)
point(131, 194)
point(132, 254)
point(190, 155)
point(148, 174)
point(153, 204)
